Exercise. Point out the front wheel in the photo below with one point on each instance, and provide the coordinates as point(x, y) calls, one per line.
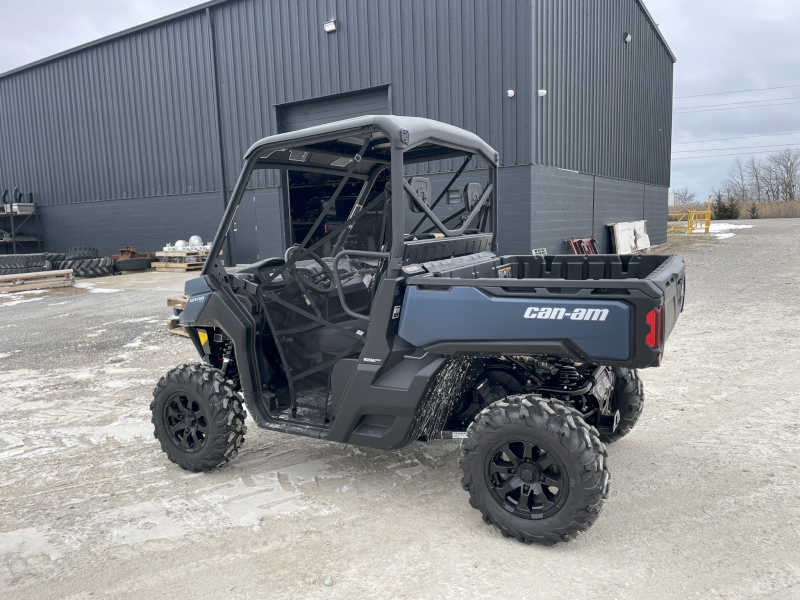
point(535, 469)
point(198, 417)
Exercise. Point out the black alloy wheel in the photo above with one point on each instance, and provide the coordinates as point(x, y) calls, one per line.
point(198, 417)
point(535, 469)
point(526, 479)
point(186, 422)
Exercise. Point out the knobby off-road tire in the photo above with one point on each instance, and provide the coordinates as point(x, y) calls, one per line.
point(198, 418)
point(22, 261)
point(23, 270)
point(81, 252)
point(89, 267)
point(55, 257)
point(628, 400)
point(551, 444)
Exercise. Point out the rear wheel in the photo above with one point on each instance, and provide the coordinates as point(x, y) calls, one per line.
point(628, 400)
point(535, 469)
point(198, 418)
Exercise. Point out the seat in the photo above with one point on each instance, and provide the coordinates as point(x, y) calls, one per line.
point(332, 340)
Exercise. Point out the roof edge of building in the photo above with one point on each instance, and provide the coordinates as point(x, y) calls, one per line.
point(657, 29)
point(201, 7)
point(125, 32)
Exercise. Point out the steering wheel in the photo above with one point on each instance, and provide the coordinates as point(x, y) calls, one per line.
point(317, 282)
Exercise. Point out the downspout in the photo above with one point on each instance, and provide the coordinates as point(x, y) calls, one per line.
point(212, 44)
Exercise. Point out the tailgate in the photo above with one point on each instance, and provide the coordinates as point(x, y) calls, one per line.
point(603, 309)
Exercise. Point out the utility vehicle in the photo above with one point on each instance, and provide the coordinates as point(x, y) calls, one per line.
point(395, 320)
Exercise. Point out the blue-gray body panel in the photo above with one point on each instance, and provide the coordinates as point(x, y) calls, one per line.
point(470, 315)
point(194, 307)
point(198, 292)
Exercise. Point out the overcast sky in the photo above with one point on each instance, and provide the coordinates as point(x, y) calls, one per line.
point(721, 46)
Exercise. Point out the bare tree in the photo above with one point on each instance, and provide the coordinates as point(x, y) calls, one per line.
point(775, 178)
point(755, 178)
point(785, 165)
point(684, 196)
point(736, 185)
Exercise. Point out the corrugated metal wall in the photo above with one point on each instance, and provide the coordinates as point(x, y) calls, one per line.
point(134, 116)
point(125, 119)
point(450, 60)
point(608, 108)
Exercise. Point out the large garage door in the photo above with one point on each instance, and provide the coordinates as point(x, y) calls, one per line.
point(299, 115)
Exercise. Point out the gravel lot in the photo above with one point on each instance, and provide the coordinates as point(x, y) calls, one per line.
point(705, 499)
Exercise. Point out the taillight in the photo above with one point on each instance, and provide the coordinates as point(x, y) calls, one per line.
point(653, 337)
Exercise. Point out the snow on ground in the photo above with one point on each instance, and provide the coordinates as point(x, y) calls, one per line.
point(95, 290)
point(722, 231)
point(14, 298)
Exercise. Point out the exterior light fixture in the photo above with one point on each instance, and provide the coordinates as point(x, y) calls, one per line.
point(510, 93)
point(542, 93)
point(628, 38)
point(330, 26)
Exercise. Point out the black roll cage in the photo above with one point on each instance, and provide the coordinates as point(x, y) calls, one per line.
point(402, 153)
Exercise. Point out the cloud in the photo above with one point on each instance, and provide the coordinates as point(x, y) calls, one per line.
point(35, 29)
point(724, 45)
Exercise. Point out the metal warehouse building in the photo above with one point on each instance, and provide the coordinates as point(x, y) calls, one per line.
point(137, 139)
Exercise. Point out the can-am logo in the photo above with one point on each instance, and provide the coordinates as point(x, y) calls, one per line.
point(577, 314)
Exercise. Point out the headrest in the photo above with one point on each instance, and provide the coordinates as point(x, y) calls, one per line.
point(471, 193)
point(422, 186)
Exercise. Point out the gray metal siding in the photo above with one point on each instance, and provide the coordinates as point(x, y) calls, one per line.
point(268, 215)
point(608, 108)
point(134, 116)
point(655, 211)
point(308, 113)
point(514, 210)
point(450, 60)
point(126, 119)
point(562, 206)
point(147, 224)
point(615, 201)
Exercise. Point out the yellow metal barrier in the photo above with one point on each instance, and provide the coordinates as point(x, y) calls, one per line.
point(694, 220)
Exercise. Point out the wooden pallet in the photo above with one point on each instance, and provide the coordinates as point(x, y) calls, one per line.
point(182, 253)
point(178, 302)
point(176, 329)
point(177, 267)
point(36, 281)
point(182, 256)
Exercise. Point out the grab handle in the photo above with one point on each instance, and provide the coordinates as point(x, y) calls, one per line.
point(338, 282)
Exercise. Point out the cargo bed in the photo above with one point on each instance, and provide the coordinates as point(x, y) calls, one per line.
point(605, 309)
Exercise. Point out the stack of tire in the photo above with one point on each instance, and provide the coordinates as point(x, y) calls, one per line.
point(14, 264)
point(85, 262)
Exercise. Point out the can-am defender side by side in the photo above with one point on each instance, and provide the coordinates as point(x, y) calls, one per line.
point(392, 319)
